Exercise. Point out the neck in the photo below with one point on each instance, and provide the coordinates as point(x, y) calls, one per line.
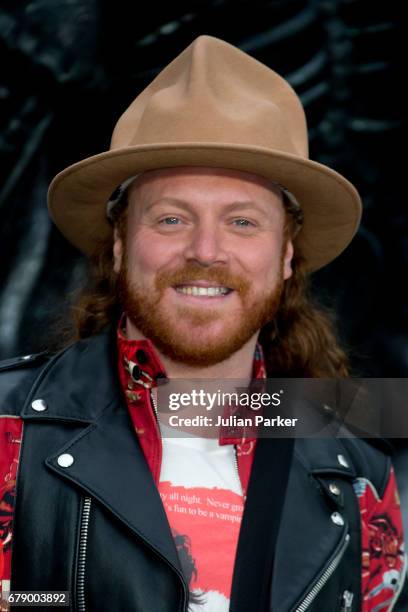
point(238, 366)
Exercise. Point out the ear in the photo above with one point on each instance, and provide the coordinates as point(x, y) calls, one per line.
point(287, 260)
point(117, 251)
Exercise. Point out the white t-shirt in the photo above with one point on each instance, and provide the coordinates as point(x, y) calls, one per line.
point(202, 495)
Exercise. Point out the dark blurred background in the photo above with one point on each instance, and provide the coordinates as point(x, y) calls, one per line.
point(69, 68)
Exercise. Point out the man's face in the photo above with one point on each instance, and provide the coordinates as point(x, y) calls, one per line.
point(202, 260)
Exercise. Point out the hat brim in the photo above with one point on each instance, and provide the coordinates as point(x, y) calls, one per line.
point(331, 205)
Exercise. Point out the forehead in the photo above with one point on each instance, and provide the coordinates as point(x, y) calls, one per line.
point(202, 185)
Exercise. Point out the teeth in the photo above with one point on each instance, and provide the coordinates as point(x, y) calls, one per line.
point(203, 291)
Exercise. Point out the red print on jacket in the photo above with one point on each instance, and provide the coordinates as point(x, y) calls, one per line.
point(382, 544)
point(10, 442)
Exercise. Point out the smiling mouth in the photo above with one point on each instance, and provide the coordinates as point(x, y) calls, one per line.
point(199, 291)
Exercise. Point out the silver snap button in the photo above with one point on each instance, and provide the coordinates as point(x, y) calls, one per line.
point(333, 488)
point(39, 405)
point(337, 519)
point(65, 460)
point(343, 461)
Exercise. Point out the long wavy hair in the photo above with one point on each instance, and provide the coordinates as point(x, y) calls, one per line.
point(300, 342)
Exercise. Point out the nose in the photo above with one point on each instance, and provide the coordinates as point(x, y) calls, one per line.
point(205, 245)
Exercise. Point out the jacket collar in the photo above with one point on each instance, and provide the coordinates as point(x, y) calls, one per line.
point(140, 369)
point(143, 355)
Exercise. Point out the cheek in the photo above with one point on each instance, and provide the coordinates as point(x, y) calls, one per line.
point(263, 263)
point(148, 254)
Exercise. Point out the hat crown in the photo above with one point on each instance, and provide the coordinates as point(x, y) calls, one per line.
point(213, 106)
point(214, 93)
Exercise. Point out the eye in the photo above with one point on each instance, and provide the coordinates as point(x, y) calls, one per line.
point(242, 222)
point(170, 221)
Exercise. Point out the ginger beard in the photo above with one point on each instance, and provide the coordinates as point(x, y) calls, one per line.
point(183, 332)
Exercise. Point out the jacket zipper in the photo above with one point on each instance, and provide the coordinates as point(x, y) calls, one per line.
point(154, 404)
point(330, 569)
point(347, 602)
point(83, 539)
point(240, 487)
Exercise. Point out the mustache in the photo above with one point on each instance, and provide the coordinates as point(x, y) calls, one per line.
point(191, 272)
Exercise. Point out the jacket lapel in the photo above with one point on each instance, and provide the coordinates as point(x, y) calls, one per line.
point(109, 465)
point(81, 385)
point(260, 525)
point(308, 539)
point(287, 531)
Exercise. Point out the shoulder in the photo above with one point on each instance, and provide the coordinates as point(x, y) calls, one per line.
point(338, 448)
point(17, 375)
point(23, 361)
point(372, 459)
point(350, 457)
point(77, 365)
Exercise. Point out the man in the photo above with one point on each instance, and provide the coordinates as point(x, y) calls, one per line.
point(200, 258)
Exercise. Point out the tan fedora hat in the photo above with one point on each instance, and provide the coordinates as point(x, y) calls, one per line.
point(215, 106)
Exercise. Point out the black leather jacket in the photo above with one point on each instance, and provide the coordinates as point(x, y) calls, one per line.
point(98, 528)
